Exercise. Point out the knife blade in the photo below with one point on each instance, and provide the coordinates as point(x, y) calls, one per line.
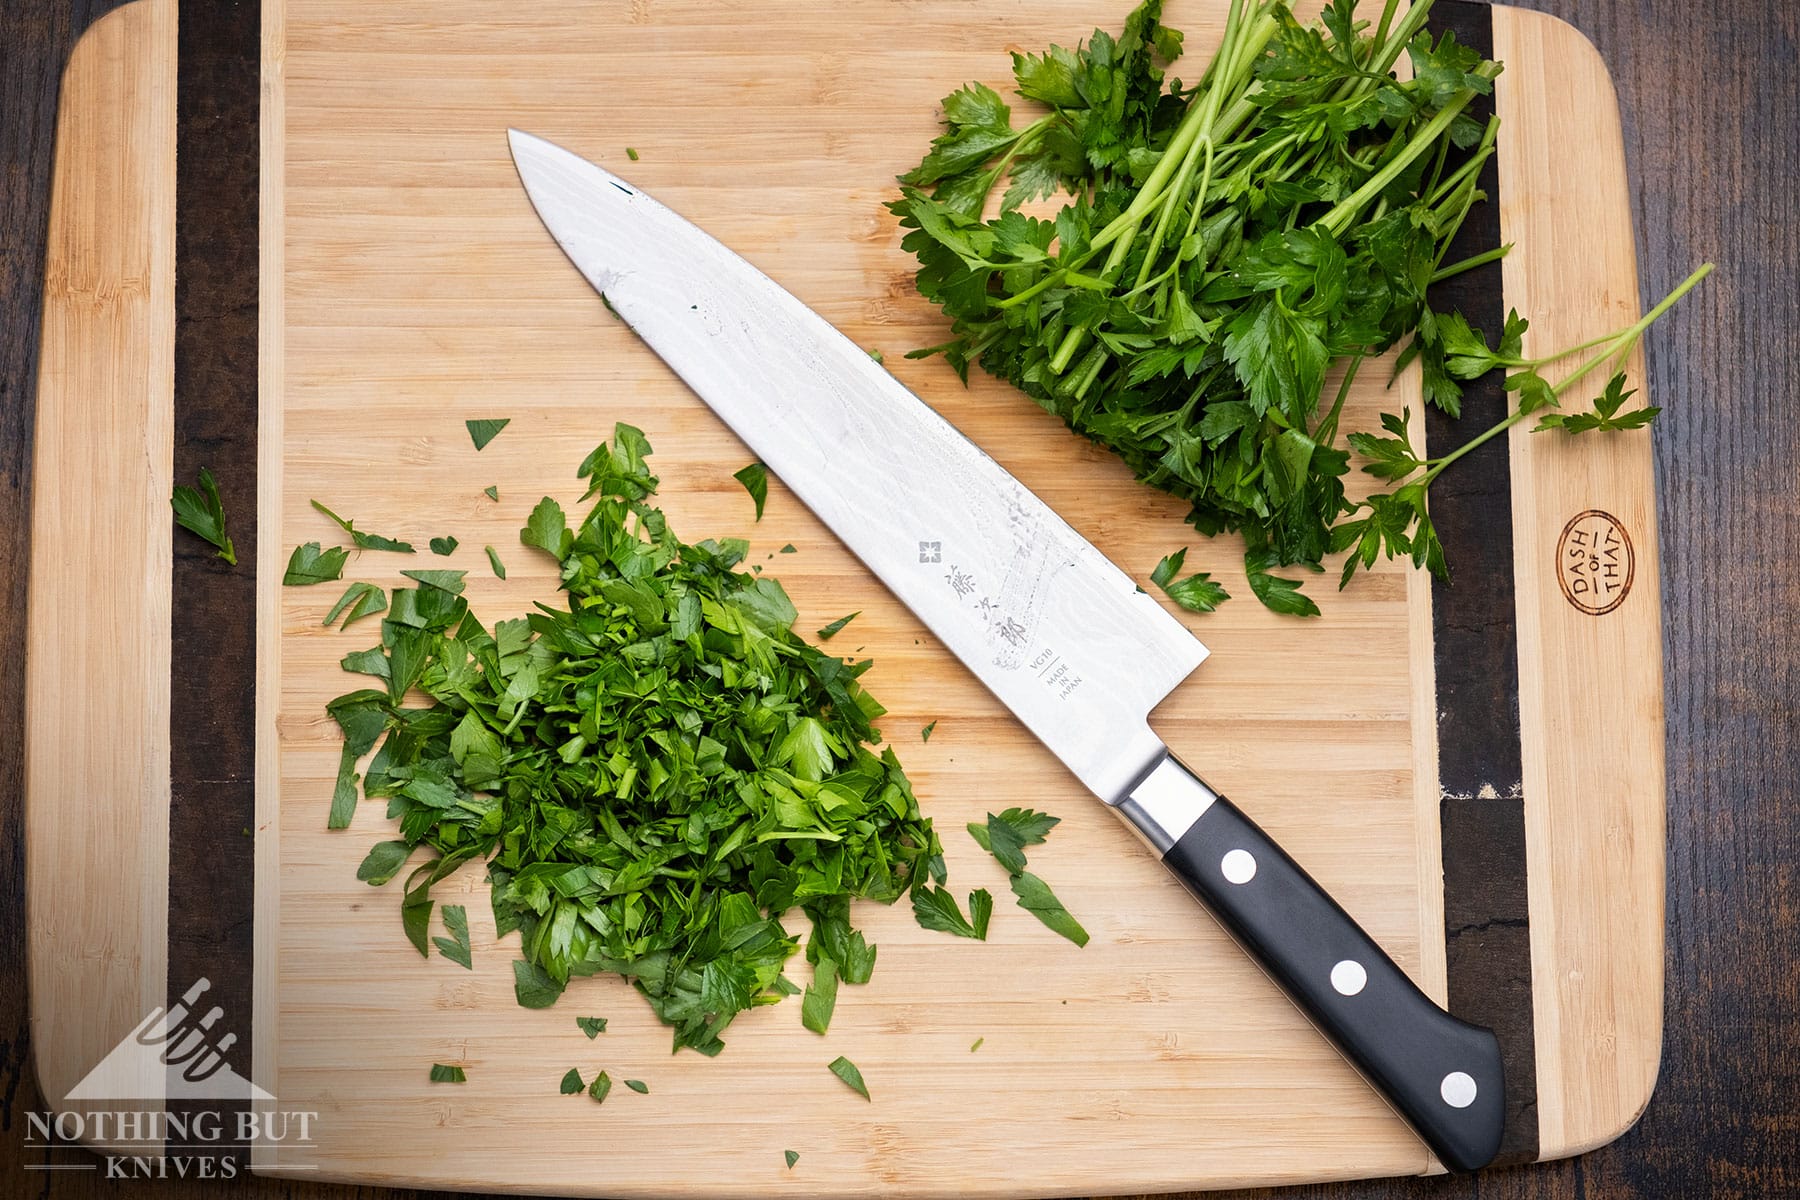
point(1073, 648)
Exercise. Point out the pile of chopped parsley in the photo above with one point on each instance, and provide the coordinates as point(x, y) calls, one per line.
point(655, 775)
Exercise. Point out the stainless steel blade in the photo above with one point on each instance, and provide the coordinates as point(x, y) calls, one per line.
point(1063, 637)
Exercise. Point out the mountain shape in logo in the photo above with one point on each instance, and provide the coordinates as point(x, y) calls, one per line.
point(170, 1056)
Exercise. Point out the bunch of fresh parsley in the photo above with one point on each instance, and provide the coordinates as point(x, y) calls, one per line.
point(655, 776)
point(1222, 246)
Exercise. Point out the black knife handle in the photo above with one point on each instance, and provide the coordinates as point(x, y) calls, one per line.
point(1441, 1074)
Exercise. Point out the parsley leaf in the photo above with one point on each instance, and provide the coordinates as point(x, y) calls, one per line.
point(200, 512)
point(981, 911)
point(638, 1086)
point(443, 545)
point(456, 946)
point(548, 529)
point(592, 1026)
point(358, 601)
point(1605, 414)
point(1036, 898)
point(846, 1070)
point(1005, 836)
point(443, 581)
point(309, 565)
point(820, 1000)
point(383, 862)
point(571, 1082)
point(598, 1089)
point(533, 986)
point(792, 1157)
point(1277, 594)
point(499, 568)
point(755, 479)
point(828, 631)
point(492, 491)
point(1196, 593)
point(935, 908)
point(925, 733)
point(1028, 827)
point(484, 431)
point(443, 1074)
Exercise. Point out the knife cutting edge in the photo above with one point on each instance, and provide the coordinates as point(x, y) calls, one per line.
point(1058, 633)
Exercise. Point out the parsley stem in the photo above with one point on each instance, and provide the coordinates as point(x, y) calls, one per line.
point(1619, 343)
point(1411, 23)
point(1381, 29)
point(1150, 194)
point(1339, 217)
point(1628, 334)
point(1326, 433)
point(1471, 262)
point(1473, 166)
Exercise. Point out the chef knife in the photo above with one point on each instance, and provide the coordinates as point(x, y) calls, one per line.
point(1059, 634)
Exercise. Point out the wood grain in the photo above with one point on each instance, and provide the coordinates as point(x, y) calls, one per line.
point(1710, 136)
point(97, 642)
point(422, 290)
point(1590, 671)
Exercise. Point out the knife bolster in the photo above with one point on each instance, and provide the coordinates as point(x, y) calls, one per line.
point(1164, 804)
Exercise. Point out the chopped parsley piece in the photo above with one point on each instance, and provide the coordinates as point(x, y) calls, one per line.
point(199, 511)
point(832, 629)
point(365, 541)
point(309, 565)
point(483, 432)
point(846, 1070)
point(755, 479)
point(456, 946)
point(1196, 593)
point(358, 601)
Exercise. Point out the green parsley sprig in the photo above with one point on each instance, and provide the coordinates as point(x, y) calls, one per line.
point(1222, 247)
point(1398, 523)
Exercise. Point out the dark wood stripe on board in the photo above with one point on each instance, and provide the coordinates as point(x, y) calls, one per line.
point(212, 725)
point(1487, 923)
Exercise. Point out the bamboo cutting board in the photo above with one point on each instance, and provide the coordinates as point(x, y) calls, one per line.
point(1486, 796)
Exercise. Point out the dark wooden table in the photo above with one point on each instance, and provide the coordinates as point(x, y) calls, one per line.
point(1711, 101)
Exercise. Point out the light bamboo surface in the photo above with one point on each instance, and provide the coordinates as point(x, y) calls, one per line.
point(97, 641)
point(408, 286)
point(421, 290)
point(1590, 647)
